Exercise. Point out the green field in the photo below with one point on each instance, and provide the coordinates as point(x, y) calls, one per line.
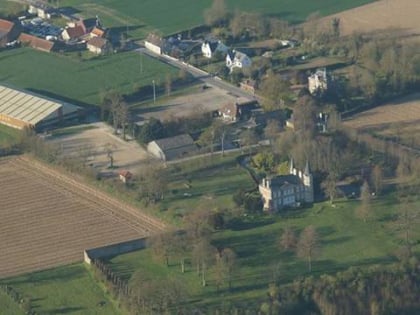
point(212, 180)
point(173, 16)
point(81, 81)
point(345, 240)
point(64, 290)
point(8, 306)
point(8, 135)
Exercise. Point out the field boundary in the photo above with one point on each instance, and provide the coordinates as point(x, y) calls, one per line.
point(114, 249)
point(90, 193)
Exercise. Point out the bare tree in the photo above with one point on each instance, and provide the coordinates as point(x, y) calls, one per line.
point(168, 84)
point(308, 245)
point(203, 255)
point(272, 129)
point(288, 239)
point(216, 14)
point(407, 221)
point(363, 211)
point(109, 150)
point(181, 248)
point(225, 266)
point(330, 185)
point(162, 246)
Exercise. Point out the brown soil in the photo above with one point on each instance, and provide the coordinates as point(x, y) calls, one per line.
point(48, 219)
point(385, 14)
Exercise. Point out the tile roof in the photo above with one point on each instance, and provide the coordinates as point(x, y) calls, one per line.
point(75, 32)
point(97, 42)
point(98, 32)
point(6, 26)
point(36, 42)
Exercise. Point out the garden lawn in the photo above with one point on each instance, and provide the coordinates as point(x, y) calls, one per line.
point(79, 81)
point(64, 290)
point(170, 16)
point(210, 180)
point(344, 242)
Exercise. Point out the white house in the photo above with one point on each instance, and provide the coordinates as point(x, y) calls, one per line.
point(287, 191)
point(209, 48)
point(237, 59)
point(318, 81)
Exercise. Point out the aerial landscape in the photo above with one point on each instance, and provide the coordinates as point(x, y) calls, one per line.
point(210, 157)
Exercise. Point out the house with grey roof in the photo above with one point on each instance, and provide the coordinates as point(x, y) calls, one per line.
point(172, 148)
point(237, 59)
point(287, 191)
point(209, 48)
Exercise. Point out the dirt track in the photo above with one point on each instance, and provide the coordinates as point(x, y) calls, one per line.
point(47, 219)
point(379, 15)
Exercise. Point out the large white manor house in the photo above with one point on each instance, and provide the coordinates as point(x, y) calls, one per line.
point(287, 191)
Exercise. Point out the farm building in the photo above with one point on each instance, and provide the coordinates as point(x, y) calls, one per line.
point(98, 45)
point(19, 109)
point(37, 43)
point(172, 148)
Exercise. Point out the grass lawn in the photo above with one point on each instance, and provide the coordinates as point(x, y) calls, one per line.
point(169, 16)
point(64, 290)
point(345, 241)
point(210, 180)
point(8, 135)
point(8, 306)
point(81, 81)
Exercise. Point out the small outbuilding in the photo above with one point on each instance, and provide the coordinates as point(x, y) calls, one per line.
point(125, 176)
point(172, 148)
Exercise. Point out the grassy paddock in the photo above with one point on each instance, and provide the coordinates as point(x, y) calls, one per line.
point(8, 306)
point(82, 81)
point(64, 290)
point(345, 240)
point(210, 180)
point(169, 16)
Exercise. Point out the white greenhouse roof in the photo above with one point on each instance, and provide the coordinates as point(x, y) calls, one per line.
point(25, 106)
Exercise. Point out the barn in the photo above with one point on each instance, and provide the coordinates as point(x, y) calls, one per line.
point(20, 109)
point(172, 148)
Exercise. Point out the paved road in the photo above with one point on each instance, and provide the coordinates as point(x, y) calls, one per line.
point(200, 74)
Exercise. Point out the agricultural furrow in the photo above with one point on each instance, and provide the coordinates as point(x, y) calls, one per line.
point(47, 219)
point(107, 205)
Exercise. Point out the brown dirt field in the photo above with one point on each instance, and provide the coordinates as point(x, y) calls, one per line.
point(405, 110)
point(400, 119)
point(48, 219)
point(384, 14)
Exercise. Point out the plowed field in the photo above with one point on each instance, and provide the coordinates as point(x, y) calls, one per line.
point(385, 14)
point(47, 219)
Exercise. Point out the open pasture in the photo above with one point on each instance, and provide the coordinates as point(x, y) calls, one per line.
point(77, 80)
point(398, 121)
point(173, 16)
point(47, 219)
point(63, 290)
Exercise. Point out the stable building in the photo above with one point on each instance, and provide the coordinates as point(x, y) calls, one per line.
point(23, 109)
point(172, 148)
